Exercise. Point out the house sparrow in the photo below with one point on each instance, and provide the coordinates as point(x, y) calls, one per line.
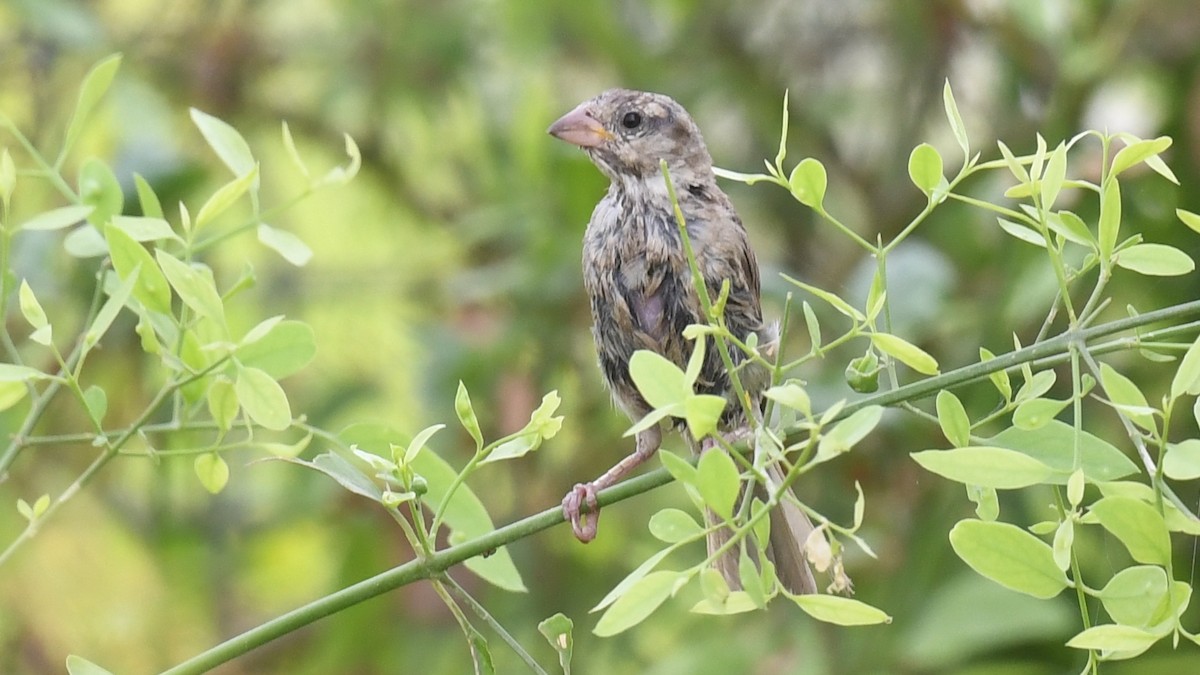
point(638, 279)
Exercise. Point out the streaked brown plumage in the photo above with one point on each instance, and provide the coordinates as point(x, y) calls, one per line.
point(642, 297)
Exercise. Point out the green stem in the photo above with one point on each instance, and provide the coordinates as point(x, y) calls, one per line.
point(481, 611)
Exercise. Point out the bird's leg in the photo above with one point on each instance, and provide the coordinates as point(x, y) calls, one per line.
point(586, 523)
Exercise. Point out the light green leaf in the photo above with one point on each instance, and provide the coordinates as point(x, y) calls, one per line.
point(77, 665)
point(1055, 174)
point(225, 197)
point(292, 248)
point(31, 309)
point(193, 287)
point(263, 399)
point(340, 175)
point(85, 241)
point(956, 123)
point(847, 433)
point(673, 526)
point(738, 602)
point(703, 412)
point(1110, 219)
point(226, 142)
point(212, 471)
point(151, 288)
point(151, 208)
point(1036, 413)
point(1187, 377)
point(1009, 556)
point(718, 481)
point(11, 393)
point(999, 378)
point(13, 373)
point(660, 382)
point(222, 403)
point(96, 400)
point(283, 350)
point(783, 133)
point(1183, 460)
point(1190, 219)
point(925, 167)
point(145, 229)
point(747, 178)
point(952, 418)
point(1018, 170)
point(840, 611)
point(638, 602)
point(1022, 232)
point(541, 426)
point(466, 415)
point(986, 501)
point(1135, 595)
point(911, 355)
point(1071, 227)
point(813, 326)
point(792, 395)
point(1113, 638)
point(633, 577)
point(1123, 392)
point(1075, 486)
point(1157, 260)
point(1138, 152)
point(98, 187)
point(342, 471)
point(1035, 386)
point(836, 302)
point(997, 468)
point(8, 177)
point(1138, 526)
point(682, 470)
point(289, 144)
point(108, 312)
point(808, 182)
point(57, 219)
point(557, 631)
point(1064, 538)
point(1054, 446)
point(94, 86)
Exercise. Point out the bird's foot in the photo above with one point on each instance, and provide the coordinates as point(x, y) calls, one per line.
point(584, 524)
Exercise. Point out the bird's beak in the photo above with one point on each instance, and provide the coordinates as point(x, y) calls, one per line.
point(580, 128)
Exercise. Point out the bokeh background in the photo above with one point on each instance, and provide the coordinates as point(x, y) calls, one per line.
point(455, 256)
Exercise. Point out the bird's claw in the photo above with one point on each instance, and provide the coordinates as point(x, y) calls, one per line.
point(583, 523)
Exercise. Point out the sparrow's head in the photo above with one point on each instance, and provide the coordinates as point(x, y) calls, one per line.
point(626, 133)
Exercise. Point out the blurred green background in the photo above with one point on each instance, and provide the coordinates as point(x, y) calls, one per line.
point(455, 255)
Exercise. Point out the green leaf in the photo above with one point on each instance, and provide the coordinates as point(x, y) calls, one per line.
point(282, 350)
point(263, 399)
point(986, 501)
point(1138, 526)
point(952, 418)
point(660, 382)
point(467, 519)
point(1135, 594)
point(1035, 386)
point(223, 403)
point(96, 400)
point(94, 86)
point(1110, 219)
point(289, 144)
point(340, 175)
point(718, 481)
point(956, 123)
point(57, 219)
point(142, 228)
point(151, 288)
point(8, 177)
point(1071, 227)
point(1113, 638)
point(292, 248)
point(541, 426)
point(1190, 219)
point(1036, 413)
point(1183, 460)
point(99, 188)
point(638, 602)
point(1075, 486)
point(342, 471)
point(212, 471)
point(682, 470)
point(1064, 538)
point(999, 378)
point(226, 142)
point(1138, 152)
point(1055, 174)
point(77, 665)
point(1187, 377)
point(737, 602)
point(633, 577)
point(1025, 234)
point(1054, 446)
point(792, 395)
point(997, 468)
point(13, 373)
point(117, 298)
point(466, 415)
point(673, 526)
point(1009, 556)
point(703, 412)
point(557, 631)
point(195, 288)
point(847, 433)
point(747, 178)
point(1158, 260)
point(808, 182)
point(782, 154)
point(925, 167)
point(225, 197)
point(911, 355)
point(151, 208)
point(85, 241)
point(840, 611)
point(1018, 170)
point(31, 309)
point(1123, 392)
point(813, 326)
point(12, 393)
point(834, 301)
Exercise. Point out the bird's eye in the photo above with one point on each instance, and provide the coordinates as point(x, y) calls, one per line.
point(631, 120)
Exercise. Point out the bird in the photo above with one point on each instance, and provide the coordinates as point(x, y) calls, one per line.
point(641, 292)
